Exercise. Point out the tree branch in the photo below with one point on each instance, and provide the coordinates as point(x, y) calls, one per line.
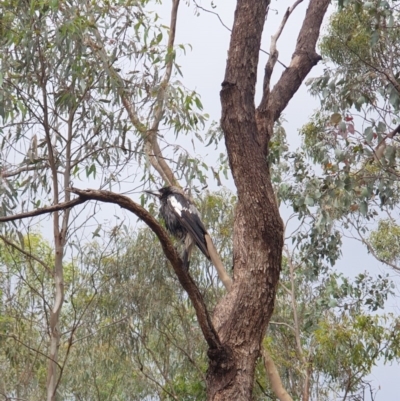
point(151, 143)
point(303, 59)
point(274, 378)
point(149, 135)
point(216, 260)
point(229, 29)
point(170, 252)
point(380, 148)
point(371, 249)
point(273, 52)
point(6, 174)
point(43, 210)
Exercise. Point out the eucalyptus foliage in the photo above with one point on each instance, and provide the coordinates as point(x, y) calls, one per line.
point(56, 99)
point(130, 332)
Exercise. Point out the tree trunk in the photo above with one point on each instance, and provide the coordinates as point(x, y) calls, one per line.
point(242, 316)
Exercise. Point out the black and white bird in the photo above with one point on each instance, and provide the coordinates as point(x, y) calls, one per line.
point(182, 220)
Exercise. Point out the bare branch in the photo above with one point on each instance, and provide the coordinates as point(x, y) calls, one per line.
point(151, 143)
point(151, 147)
point(43, 210)
point(273, 52)
point(5, 174)
point(282, 324)
point(303, 59)
point(222, 274)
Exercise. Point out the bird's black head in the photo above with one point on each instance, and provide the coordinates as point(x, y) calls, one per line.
point(165, 192)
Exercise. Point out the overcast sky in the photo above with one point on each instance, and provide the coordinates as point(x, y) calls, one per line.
point(203, 69)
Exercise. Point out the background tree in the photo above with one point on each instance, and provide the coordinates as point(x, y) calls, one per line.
point(354, 135)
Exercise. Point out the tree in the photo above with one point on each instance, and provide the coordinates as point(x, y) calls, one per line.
point(354, 135)
point(63, 52)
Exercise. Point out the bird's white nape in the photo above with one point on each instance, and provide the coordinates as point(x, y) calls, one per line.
point(175, 204)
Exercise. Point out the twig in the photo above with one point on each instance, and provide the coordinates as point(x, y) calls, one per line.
point(371, 249)
point(282, 324)
point(33, 349)
point(5, 174)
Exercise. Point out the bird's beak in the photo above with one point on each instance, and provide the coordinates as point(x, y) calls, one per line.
point(157, 194)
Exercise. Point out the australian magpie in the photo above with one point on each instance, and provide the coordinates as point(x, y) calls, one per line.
point(182, 220)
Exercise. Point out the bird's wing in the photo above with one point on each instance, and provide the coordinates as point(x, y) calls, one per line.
point(189, 217)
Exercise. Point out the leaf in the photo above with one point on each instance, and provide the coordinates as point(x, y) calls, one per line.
point(394, 98)
point(375, 37)
point(381, 128)
point(96, 232)
point(335, 119)
point(369, 133)
point(21, 239)
point(309, 201)
point(342, 126)
point(198, 103)
point(363, 208)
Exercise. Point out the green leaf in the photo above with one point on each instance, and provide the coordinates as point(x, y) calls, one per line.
point(368, 133)
point(363, 208)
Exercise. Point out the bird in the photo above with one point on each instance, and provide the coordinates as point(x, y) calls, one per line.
point(182, 220)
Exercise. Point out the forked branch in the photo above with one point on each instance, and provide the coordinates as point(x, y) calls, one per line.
point(304, 58)
point(273, 51)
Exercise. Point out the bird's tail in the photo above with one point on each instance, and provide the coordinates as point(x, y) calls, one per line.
point(216, 261)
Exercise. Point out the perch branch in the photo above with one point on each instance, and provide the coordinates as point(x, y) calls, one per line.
point(170, 252)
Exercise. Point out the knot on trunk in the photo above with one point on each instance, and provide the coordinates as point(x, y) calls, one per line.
point(312, 55)
point(222, 369)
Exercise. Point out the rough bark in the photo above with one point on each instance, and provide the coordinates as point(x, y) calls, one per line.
point(242, 316)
